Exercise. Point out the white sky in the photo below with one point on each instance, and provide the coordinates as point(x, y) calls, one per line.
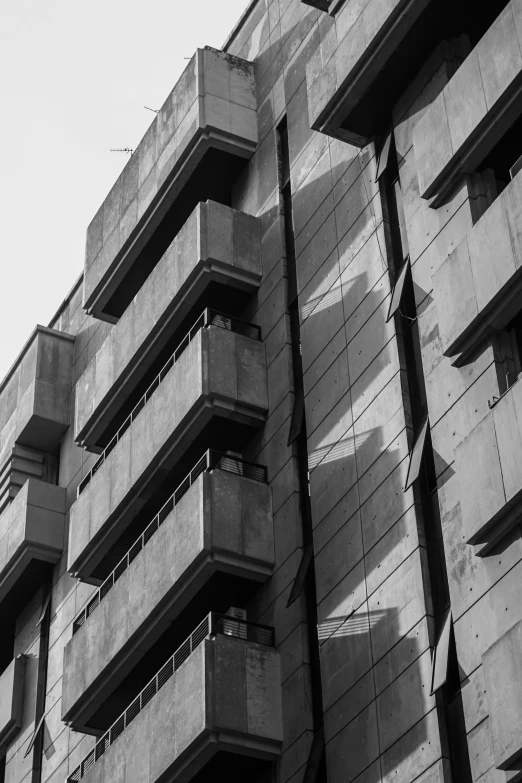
point(75, 78)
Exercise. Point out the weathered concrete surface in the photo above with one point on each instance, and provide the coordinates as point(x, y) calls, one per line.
point(226, 696)
point(11, 700)
point(349, 59)
point(32, 527)
point(224, 523)
point(215, 244)
point(220, 373)
point(35, 395)
point(477, 288)
point(471, 113)
point(487, 463)
point(212, 105)
point(503, 677)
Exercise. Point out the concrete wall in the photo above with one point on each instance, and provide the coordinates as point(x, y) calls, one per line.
point(35, 395)
point(478, 282)
point(11, 700)
point(212, 104)
point(225, 696)
point(215, 244)
point(224, 522)
point(32, 527)
point(450, 137)
point(219, 372)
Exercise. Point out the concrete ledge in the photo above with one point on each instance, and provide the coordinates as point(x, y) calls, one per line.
point(216, 244)
point(213, 105)
point(503, 676)
point(226, 696)
point(11, 700)
point(473, 111)
point(337, 77)
point(221, 373)
point(487, 463)
point(32, 527)
point(477, 288)
point(35, 396)
point(223, 523)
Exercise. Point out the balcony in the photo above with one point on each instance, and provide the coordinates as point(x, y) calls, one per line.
point(219, 693)
point(487, 464)
point(31, 533)
point(324, 5)
point(364, 63)
point(11, 700)
point(193, 151)
point(477, 286)
point(217, 246)
point(218, 520)
point(501, 665)
point(35, 396)
point(473, 111)
point(217, 372)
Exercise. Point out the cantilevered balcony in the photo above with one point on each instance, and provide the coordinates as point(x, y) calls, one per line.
point(475, 108)
point(488, 470)
point(218, 695)
point(35, 396)
point(218, 247)
point(11, 700)
point(193, 151)
point(477, 288)
point(218, 370)
point(31, 533)
point(218, 520)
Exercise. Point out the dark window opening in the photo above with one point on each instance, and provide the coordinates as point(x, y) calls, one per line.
point(497, 169)
point(219, 593)
point(232, 766)
point(212, 179)
point(507, 352)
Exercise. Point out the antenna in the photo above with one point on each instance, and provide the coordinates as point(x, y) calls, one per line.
point(156, 111)
point(122, 149)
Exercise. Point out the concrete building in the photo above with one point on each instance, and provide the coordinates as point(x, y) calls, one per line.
point(260, 484)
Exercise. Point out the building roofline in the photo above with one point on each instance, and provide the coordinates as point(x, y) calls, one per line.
point(239, 25)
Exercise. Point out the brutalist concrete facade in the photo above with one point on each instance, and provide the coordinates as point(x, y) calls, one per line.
point(260, 491)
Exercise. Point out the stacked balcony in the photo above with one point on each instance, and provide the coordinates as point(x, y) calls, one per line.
point(217, 251)
point(216, 700)
point(217, 520)
point(193, 151)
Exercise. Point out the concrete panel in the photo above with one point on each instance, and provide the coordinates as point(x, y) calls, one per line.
point(225, 697)
point(216, 244)
point(32, 527)
point(213, 105)
point(503, 676)
point(455, 133)
point(11, 700)
point(490, 484)
point(35, 395)
point(477, 286)
point(220, 373)
point(224, 522)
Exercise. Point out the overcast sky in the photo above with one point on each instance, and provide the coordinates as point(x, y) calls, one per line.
point(75, 78)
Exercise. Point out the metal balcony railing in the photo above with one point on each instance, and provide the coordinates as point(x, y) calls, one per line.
point(212, 624)
point(211, 460)
point(207, 318)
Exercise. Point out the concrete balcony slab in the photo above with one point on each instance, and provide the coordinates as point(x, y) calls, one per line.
point(35, 395)
point(473, 111)
point(212, 109)
point(487, 466)
point(477, 288)
point(226, 696)
point(223, 522)
point(216, 245)
point(32, 527)
point(11, 700)
point(220, 373)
